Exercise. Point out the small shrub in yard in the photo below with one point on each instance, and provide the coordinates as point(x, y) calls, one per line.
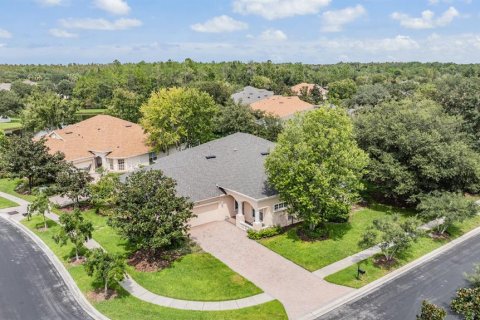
point(467, 303)
point(431, 312)
point(264, 233)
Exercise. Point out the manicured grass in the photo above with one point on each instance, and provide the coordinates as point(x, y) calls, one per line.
point(5, 203)
point(342, 242)
point(91, 111)
point(197, 276)
point(14, 124)
point(9, 185)
point(126, 307)
point(347, 277)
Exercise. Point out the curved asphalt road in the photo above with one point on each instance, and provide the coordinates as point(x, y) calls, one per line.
point(436, 281)
point(30, 286)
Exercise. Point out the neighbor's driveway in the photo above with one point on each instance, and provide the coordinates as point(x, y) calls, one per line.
point(297, 289)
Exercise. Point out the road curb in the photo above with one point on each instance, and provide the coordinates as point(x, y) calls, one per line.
point(390, 277)
point(67, 278)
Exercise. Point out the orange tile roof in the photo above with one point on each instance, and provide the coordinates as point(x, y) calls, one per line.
point(281, 106)
point(102, 133)
point(297, 89)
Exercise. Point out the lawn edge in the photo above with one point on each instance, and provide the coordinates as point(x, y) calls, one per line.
point(67, 278)
point(391, 276)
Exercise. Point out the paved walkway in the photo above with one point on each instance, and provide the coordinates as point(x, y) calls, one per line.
point(140, 292)
point(298, 289)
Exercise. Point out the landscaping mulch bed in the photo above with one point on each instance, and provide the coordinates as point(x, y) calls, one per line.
point(307, 236)
point(382, 262)
point(99, 295)
point(74, 262)
point(146, 262)
point(440, 236)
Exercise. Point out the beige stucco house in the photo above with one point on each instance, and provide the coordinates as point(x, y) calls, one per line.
point(104, 142)
point(226, 180)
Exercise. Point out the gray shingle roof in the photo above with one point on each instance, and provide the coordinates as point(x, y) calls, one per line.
point(250, 95)
point(238, 166)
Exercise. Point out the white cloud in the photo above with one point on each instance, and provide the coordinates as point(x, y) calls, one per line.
point(60, 33)
point(100, 24)
point(50, 2)
point(119, 7)
point(273, 35)
point(5, 34)
point(427, 19)
point(333, 21)
point(276, 9)
point(220, 24)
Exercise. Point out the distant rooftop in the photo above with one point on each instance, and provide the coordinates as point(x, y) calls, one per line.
point(251, 94)
point(235, 162)
point(284, 107)
point(297, 89)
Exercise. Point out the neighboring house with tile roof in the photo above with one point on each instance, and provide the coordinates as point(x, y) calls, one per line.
point(226, 180)
point(284, 107)
point(250, 94)
point(102, 142)
point(5, 86)
point(297, 89)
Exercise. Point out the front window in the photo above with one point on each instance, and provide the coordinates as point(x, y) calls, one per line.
point(110, 163)
point(279, 207)
point(121, 164)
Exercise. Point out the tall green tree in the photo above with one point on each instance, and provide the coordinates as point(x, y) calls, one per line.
point(447, 206)
point(47, 111)
point(316, 166)
point(103, 193)
point(24, 157)
point(235, 118)
point(75, 229)
point(73, 183)
point(105, 268)
point(178, 117)
point(341, 90)
point(10, 103)
point(416, 148)
point(125, 105)
point(149, 213)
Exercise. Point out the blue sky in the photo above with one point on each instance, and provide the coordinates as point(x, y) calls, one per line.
point(309, 31)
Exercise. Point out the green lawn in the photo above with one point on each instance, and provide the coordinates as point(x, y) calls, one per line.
point(90, 111)
point(197, 276)
point(5, 203)
point(347, 277)
point(343, 241)
point(9, 185)
point(15, 124)
point(126, 307)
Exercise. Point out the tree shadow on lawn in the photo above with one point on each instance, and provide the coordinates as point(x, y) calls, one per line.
point(331, 231)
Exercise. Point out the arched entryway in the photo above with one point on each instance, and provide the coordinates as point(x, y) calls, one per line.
point(98, 162)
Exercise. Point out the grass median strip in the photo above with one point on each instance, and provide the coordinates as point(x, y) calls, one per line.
point(127, 307)
point(347, 276)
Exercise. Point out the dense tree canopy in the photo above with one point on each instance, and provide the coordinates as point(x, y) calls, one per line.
point(316, 166)
point(178, 117)
point(415, 147)
point(149, 213)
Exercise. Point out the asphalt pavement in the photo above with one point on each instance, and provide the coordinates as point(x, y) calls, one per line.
point(30, 286)
point(400, 299)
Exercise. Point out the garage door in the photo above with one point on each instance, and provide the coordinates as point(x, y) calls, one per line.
point(208, 213)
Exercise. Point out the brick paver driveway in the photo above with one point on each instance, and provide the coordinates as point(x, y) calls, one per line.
point(298, 289)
